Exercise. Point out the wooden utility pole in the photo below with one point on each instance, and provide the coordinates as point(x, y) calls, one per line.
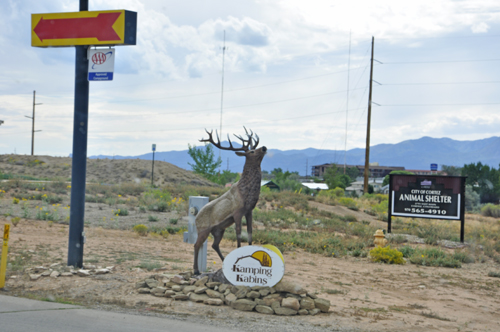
point(33, 124)
point(368, 124)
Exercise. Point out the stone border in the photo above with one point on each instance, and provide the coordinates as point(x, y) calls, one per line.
point(286, 298)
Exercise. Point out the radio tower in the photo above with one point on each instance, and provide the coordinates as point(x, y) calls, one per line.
point(222, 91)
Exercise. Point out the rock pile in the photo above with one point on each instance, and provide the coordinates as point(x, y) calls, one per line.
point(286, 298)
point(56, 270)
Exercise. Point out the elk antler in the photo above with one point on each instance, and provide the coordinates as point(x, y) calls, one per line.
point(249, 144)
point(250, 139)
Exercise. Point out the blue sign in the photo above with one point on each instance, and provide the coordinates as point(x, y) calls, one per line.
point(434, 167)
point(100, 76)
point(154, 147)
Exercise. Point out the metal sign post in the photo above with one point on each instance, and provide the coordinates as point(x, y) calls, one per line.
point(195, 205)
point(153, 167)
point(79, 164)
point(81, 30)
point(3, 260)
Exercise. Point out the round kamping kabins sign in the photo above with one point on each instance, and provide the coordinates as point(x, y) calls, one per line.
point(253, 266)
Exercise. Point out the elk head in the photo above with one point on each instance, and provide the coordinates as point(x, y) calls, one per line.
point(248, 147)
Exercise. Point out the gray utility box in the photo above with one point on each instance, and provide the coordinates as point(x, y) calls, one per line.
point(195, 205)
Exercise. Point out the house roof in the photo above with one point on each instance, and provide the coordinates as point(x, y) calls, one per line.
point(316, 186)
point(269, 183)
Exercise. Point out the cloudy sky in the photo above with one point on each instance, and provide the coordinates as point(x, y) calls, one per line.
point(296, 73)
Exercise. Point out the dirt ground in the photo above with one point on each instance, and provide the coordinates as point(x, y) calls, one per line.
point(365, 296)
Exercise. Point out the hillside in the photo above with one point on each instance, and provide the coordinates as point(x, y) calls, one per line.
point(100, 170)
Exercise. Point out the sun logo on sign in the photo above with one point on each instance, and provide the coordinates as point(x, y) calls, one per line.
point(261, 256)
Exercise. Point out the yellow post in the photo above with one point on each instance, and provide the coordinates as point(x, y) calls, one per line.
point(5, 248)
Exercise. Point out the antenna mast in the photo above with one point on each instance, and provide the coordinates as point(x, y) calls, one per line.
point(222, 90)
point(347, 104)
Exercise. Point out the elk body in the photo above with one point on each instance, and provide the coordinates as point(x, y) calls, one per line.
point(239, 201)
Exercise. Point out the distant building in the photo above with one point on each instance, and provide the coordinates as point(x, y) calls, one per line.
point(376, 171)
point(358, 186)
point(315, 186)
point(422, 172)
point(270, 184)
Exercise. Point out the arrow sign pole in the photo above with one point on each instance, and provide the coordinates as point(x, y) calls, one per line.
point(79, 164)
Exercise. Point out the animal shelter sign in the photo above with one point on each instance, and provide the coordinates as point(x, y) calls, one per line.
point(435, 197)
point(254, 266)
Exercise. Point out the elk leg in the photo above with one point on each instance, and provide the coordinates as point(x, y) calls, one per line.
point(218, 233)
point(202, 236)
point(248, 217)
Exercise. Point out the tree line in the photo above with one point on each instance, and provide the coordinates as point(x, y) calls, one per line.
point(483, 181)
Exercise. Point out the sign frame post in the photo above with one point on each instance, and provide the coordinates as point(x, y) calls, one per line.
point(79, 162)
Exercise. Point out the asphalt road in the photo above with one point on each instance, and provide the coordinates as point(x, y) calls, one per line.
point(21, 315)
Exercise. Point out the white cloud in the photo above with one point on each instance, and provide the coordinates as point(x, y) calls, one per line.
point(480, 27)
point(279, 55)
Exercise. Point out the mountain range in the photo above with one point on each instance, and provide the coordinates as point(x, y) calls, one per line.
point(411, 154)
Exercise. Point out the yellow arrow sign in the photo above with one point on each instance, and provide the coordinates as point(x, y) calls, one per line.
point(110, 27)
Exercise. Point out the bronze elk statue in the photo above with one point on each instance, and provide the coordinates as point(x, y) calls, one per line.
point(239, 201)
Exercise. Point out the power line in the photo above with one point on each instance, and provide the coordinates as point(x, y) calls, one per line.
point(439, 83)
point(234, 124)
point(231, 90)
point(214, 109)
point(456, 104)
point(437, 61)
point(440, 37)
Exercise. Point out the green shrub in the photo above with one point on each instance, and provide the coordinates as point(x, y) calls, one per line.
point(350, 218)
point(173, 221)
point(152, 218)
point(434, 257)
point(163, 206)
point(494, 274)
point(491, 210)
point(381, 207)
point(150, 265)
point(375, 197)
point(387, 255)
point(337, 192)
point(348, 202)
point(120, 212)
point(141, 229)
point(15, 221)
point(265, 190)
point(463, 257)
point(407, 251)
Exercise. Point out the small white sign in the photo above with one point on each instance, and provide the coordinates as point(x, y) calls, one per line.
point(154, 147)
point(101, 64)
point(253, 266)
